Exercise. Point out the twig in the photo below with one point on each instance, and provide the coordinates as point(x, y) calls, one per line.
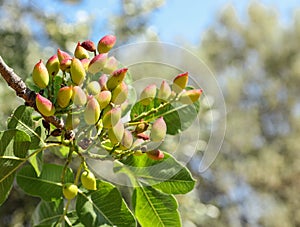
point(16, 83)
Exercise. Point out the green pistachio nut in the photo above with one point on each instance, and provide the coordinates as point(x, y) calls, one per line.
point(106, 43)
point(97, 63)
point(148, 94)
point(180, 82)
point(77, 71)
point(44, 106)
point(190, 96)
point(93, 88)
point(164, 91)
point(158, 130)
point(115, 134)
point(103, 99)
point(127, 140)
point(62, 55)
point(102, 81)
point(79, 98)
point(70, 191)
point(155, 154)
point(92, 111)
point(111, 65)
point(72, 121)
point(52, 65)
point(120, 94)
point(40, 75)
point(116, 78)
point(80, 52)
point(88, 180)
point(89, 45)
point(111, 117)
point(64, 96)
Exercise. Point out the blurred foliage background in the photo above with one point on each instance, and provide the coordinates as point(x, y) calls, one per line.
point(255, 180)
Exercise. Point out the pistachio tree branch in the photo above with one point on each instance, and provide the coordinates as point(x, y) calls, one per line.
point(16, 83)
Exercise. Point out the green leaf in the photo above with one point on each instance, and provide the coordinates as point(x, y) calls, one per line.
point(154, 208)
point(48, 213)
point(47, 185)
point(104, 206)
point(177, 116)
point(167, 174)
point(56, 85)
point(36, 161)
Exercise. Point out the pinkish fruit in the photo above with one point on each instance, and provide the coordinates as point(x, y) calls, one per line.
point(89, 45)
point(180, 82)
point(111, 117)
point(127, 140)
point(116, 78)
point(148, 94)
point(102, 81)
point(106, 43)
point(78, 97)
point(62, 55)
point(64, 96)
point(97, 63)
point(77, 71)
point(120, 94)
point(40, 75)
point(52, 65)
point(155, 154)
point(111, 65)
point(80, 52)
point(44, 106)
point(103, 99)
point(158, 130)
point(164, 91)
point(92, 111)
point(65, 65)
point(85, 62)
point(190, 96)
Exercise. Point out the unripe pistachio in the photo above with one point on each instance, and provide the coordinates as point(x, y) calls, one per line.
point(77, 71)
point(180, 82)
point(164, 91)
point(111, 65)
point(116, 78)
point(106, 43)
point(97, 63)
point(127, 140)
point(103, 99)
point(80, 52)
point(102, 81)
point(70, 190)
point(52, 65)
point(78, 97)
point(155, 154)
point(65, 65)
point(88, 180)
point(62, 55)
point(72, 121)
point(44, 106)
point(93, 88)
point(92, 111)
point(190, 96)
point(120, 94)
point(89, 45)
point(112, 117)
point(64, 96)
point(115, 133)
point(158, 130)
point(141, 127)
point(148, 94)
point(40, 75)
point(85, 62)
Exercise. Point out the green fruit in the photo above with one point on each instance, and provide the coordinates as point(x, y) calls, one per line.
point(78, 97)
point(106, 43)
point(116, 78)
point(120, 94)
point(158, 130)
point(72, 121)
point(115, 133)
point(111, 117)
point(44, 106)
point(97, 63)
point(70, 191)
point(155, 154)
point(103, 99)
point(93, 88)
point(164, 91)
point(88, 180)
point(77, 71)
point(180, 82)
point(111, 65)
point(92, 111)
point(64, 96)
point(52, 65)
point(127, 140)
point(190, 96)
point(40, 75)
point(80, 52)
point(148, 94)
